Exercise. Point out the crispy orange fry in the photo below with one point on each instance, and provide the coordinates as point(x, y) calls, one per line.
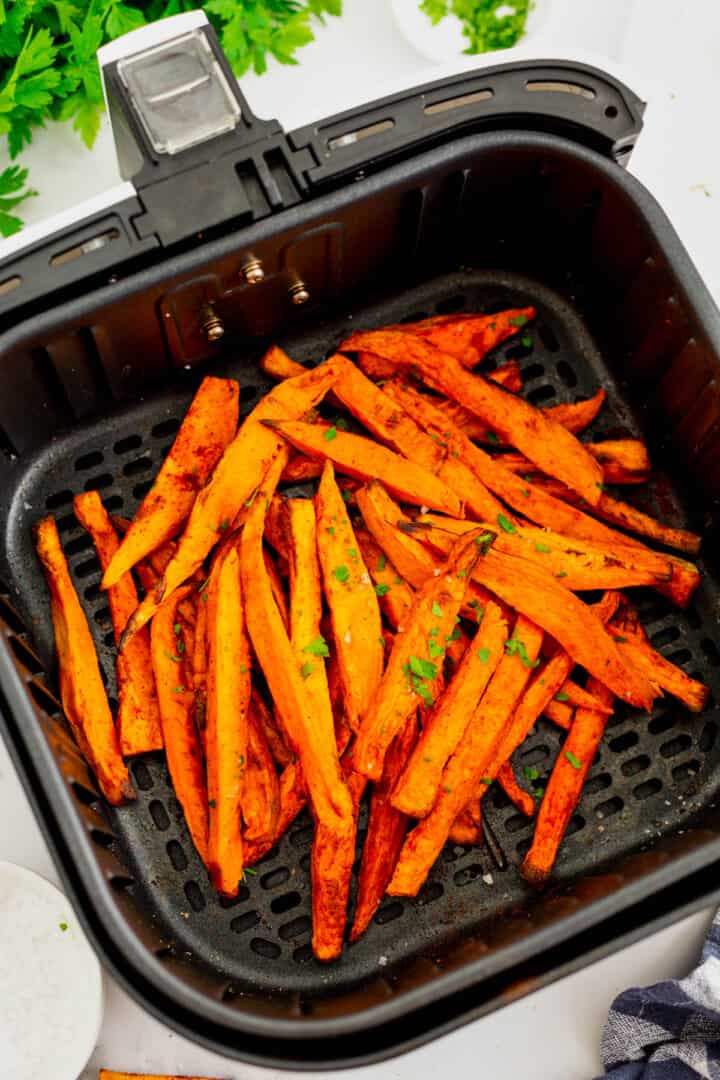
point(173, 679)
point(577, 696)
point(209, 426)
point(633, 643)
point(573, 417)
point(520, 798)
point(365, 460)
point(467, 826)
point(138, 718)
point(199, 666)
point(277, 587)
point(410, 670)
point(260, 794)
point(469, 764)
point(81, 687)
point(470, 338)
point(385, 832)
point(226, 732)
point(272, 730)
point(578, 564)
point(565, 787)
point(395, 595)
point(627, 517)
point(536, 594)
point(300, 468)
point(552, 447)
point(235, 480)
point(628, 456)
point(310, 731)
point(444, 727)
point(531, 498)
point(352, 600)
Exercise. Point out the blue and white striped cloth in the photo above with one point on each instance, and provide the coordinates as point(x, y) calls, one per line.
point(670, 1031)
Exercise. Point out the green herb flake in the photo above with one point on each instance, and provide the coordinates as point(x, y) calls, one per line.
point(542, 549)
point(515, 647)
point(64, 927)
point(381, 563)
point(485, 541)
point(352, 552)
point(562, 574)
point(223, 525)
point(434, 649)
point(249, 870)
point(330, 434)
point(506, 524)
point(483, 655)
point(446, 788)
point(426, 758)
point(212, 804)
point(307, 669)
point(397, 580)
point(331, 530)
point(177, 629)
point(317, 647)
point(436, 609)
point(538, 792)
point(525, 492)
point(461, 574)
point(531, 772)
point(178, 690)
point(622, 640)
point(175, 659)
point(485, 780)
point(455, 636)
point(341, 573)
point(492, 437)
point(424, 669)
point(574, 761)
point(382, 590)
point(347, 496)
point(381, 639)
point(562, 696)
point(341, 423)
point(518, 320)
point(243, 669)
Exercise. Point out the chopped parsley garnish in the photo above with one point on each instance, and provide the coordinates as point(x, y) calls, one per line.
point(177, 629)
point(425, 669)
point(331, 530)
point(249, 870)
point(620, 638)
point(436, 609)
point(542, 549)
point(562, 574)
point(341, 573)
point(574, 761)
point(531, 772)
point(64, 926)
point(483, 655)
point(446, 788)
point(455, 636)
point(331, 433)
point(506, 524)
point(352, 552)
point(347, 496)
point(178, 690)
point(485, 780)
point(317, 647)
point(382, 590)
point(515, 647)
point(562, 696)
point(307, 669)
point(492, 437)
point(382, 562)
point(461, 574)
point(434, 649)
point(485, 542)
point(518, 320)
point(525, 492)
point(212, 803)
point(175, 659)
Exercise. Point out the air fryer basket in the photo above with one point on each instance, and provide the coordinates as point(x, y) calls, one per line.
point(94, 388)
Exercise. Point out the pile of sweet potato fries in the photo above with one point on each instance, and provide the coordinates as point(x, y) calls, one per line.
point(400, 631)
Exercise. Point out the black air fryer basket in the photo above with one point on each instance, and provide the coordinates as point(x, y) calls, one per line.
point(503, 187)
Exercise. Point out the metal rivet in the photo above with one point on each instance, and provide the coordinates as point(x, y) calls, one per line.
point(210, 323)
point(298, 292)
point(253, 271)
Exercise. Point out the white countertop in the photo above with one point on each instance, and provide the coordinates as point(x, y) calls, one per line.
point(669, 53)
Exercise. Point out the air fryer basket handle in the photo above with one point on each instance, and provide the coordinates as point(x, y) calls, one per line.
point(560, 97)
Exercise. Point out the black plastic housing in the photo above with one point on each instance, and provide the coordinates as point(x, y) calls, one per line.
point(93, 387)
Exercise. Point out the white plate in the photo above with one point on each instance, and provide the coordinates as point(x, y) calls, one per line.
point(51, 998)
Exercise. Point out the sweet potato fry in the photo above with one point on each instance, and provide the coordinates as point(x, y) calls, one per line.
point(565, 787)
point(520, 798)
point(82, 691)
point(573, 417)
point(138, 717)
point(366, 460)
point(395, 595)
point(468, 764)
point(627, 517)
point(470, 338)
point(309, 729)
point(385, 832)
point(173, 679)
point(394, 426)
point(417, 786)
point(467, 826)
point(532, 499)
point(410, 672)
point(227, 712)
point(277, 588)
point(352, 600)
point(260, 792)
point(199, 667)
point(209, 426)
point(110, 1074)
point(300, 469)
point(576, 563)
point(272, 730)
point(633, 643)
point(613, 473)
point(577, 696)
point(552, 447)
point(235, 480)
point(536, 594)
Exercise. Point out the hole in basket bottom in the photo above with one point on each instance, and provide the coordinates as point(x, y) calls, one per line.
point(296, 928)
point(389, 913)
point(270, 950)
point(176, 855)
point(194, 895)
point(243, 923)
point(285, 903)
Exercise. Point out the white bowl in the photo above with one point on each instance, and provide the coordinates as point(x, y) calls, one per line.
point(51, 996)
point(445, 40)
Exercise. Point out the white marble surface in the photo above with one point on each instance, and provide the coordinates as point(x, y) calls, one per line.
point(671, 54)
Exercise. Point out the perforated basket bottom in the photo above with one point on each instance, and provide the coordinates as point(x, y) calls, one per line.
point(651, 775)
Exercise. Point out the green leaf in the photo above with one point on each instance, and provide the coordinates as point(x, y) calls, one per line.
point(330, 434)
point(12, 181)
point(436, 609)
point(574, 761)
point(483, 655)
point(317, 647)
point(515, 647)
point(424, 669)
point(434, 649)
point(122, 19)
point(341, 573)
point(382, 590)
point(87, 122)
point(561, 696)
point(506, 524)
point(307, 669)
